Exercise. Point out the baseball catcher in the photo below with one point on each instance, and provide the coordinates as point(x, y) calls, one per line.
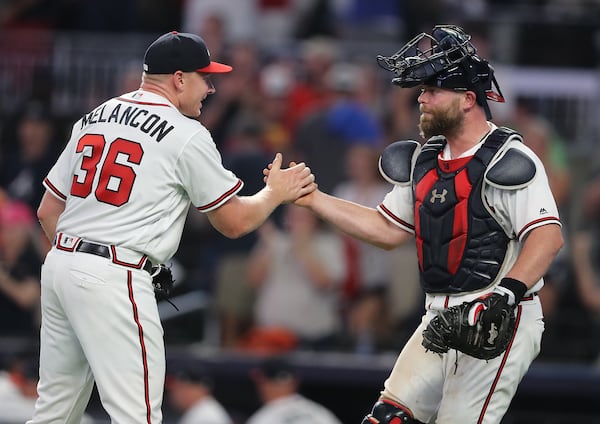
point(476, 201)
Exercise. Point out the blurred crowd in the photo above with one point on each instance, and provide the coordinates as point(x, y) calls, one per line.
point(295, 283)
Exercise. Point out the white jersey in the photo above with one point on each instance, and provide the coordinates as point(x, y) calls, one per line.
point(207, 411)
point(517, 211)
point(294, 409)
point(130, 170)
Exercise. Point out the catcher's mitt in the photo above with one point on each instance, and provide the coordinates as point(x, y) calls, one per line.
point(482, 328)
point(162, 281)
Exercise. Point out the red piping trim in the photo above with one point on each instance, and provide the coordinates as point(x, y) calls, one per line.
point(395, 218)
point(504, 359)
point(54, 189)
point(221, 198)
point(115, 260)
point(142, 345)
point(537, 221)
point(142, 103)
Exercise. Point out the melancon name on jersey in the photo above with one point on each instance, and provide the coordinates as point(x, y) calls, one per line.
point(132, 116)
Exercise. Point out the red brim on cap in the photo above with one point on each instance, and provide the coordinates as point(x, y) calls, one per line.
point(215, 68)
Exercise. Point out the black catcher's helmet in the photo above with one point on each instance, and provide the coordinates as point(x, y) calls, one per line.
point(449, 61)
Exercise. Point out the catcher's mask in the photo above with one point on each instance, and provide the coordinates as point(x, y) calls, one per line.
point(448, 61)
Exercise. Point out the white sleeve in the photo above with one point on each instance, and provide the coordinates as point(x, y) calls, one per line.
point(519, 211)
point(203, 176)
point(60, 177)
point(398, 207)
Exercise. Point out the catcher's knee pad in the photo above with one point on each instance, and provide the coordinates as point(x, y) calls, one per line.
point(387, 412)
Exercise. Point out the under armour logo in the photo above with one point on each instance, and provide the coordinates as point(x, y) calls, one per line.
point(493, 333)
point(441, 196)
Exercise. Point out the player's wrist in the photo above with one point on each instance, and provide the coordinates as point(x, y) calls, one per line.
point(513, 288)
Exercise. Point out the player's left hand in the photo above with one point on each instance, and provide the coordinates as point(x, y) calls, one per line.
point(290, 183)
point(482, 328)
point(162, 281)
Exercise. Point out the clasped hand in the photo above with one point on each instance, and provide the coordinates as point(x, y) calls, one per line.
point(291, 183)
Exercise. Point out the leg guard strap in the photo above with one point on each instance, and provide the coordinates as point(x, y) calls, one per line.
point(386, 411)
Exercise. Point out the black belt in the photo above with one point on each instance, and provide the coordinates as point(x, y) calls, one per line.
point(104, 251)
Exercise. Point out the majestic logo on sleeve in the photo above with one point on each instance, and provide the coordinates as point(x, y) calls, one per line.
point(441, 196)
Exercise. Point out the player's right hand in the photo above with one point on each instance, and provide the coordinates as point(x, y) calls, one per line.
point(291, 183)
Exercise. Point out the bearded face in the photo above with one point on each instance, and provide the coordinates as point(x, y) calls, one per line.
point(447, 121)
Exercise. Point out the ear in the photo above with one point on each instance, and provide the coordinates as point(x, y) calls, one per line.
point(470, 99)
point(178, 80)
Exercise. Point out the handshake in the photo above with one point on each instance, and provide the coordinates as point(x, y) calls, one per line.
point(291, 184)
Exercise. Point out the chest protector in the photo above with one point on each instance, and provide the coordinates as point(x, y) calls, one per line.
point(460, 245)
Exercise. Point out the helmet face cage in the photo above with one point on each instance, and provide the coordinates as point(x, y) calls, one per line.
point(428, 55)
point(446, 59)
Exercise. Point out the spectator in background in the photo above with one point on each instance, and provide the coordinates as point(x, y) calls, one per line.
point(541, 137)
point(26, 163)
point(20, 261)
point(276, 81)
point(213, 30)
point(586, 258)
point(367, 283)
point(314, 18)
point(234, 298)
point(238, 96)
point(370, 90)
point(278, 384)
point(372, 19)
point(297, 273)
point(190, 392)
point(18, 390)
point(310, 91)
point(324, 136)
point(237, 20)
point(400, 115)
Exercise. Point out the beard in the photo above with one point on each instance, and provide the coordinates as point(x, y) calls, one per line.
point(447, 122)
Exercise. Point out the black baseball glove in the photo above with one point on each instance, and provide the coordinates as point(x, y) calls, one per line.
point(482, 328)
point(162, 281)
